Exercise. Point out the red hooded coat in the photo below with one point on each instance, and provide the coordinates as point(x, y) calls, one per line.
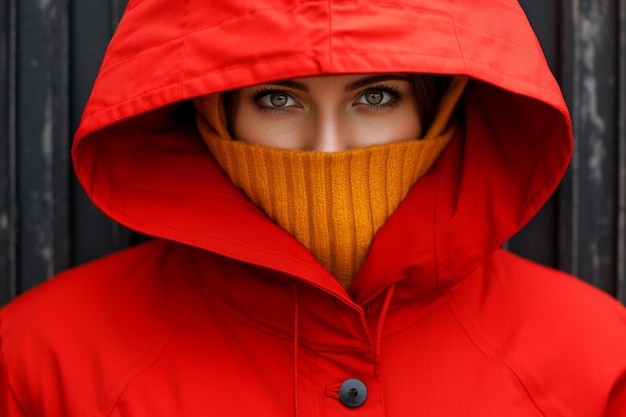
point(226, 314)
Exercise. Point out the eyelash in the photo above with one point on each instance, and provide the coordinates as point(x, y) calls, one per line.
point(256, 96)
point(396, 94)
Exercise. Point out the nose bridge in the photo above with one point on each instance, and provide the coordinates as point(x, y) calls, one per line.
point(330, 130)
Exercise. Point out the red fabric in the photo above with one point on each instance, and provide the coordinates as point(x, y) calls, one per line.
point(225, 314)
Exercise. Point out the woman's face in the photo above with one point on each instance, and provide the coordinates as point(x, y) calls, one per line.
point(327, 113)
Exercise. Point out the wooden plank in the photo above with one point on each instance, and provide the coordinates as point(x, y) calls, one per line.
point(43, 139)
point(588, 209)
point(538, 240)
point(621, 140)
point(94, 235)
point(117, 9)
point(8, 208)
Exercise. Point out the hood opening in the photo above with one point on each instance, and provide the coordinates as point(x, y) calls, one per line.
point(143, 163)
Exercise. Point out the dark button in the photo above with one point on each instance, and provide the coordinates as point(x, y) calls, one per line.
point(352, 392)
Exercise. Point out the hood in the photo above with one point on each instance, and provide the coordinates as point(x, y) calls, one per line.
point(140, 159)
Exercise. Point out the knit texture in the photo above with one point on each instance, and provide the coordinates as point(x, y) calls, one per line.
point(332, 203)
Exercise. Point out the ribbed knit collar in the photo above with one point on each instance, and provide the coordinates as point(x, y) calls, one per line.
point(332, 203)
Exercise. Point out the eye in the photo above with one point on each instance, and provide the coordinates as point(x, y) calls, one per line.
point(273, 99)
point(276, 99)
point(374, 96)
point(380, 97)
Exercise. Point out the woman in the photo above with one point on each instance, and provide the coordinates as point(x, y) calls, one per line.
point(322, 245)
point(361, 154)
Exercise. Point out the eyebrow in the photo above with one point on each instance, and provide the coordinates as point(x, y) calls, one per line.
point(375, 79)
point(296, 85)
point(291, 84)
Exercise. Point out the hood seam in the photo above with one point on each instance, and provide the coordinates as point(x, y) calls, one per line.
point(187, 33)
point(330, 34)
point(184, 49)
point(456, 37)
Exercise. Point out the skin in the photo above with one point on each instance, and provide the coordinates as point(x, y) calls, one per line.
point(327, 113)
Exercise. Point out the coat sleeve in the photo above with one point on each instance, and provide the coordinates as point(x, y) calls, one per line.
point(616, 406)
point(9, 407)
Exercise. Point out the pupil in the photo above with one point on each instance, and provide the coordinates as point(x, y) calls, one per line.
point(374, 97)
point(278, 100)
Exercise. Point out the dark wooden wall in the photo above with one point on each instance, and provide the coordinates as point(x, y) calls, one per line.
point(50, 51)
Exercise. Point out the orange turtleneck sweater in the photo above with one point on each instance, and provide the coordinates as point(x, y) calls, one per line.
point(332, 203)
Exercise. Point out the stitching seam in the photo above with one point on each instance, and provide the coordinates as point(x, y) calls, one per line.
point(492, 356)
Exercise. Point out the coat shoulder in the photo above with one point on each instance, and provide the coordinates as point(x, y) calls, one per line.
point(554, 292)
point(103, 318)
point(547, 327)
point(514, 293)
point(114, 280)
